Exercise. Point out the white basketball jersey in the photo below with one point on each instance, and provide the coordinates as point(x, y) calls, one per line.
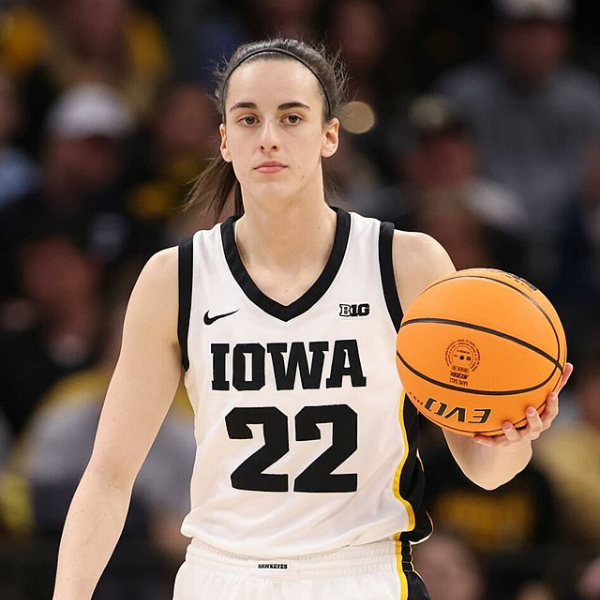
point(305, 441)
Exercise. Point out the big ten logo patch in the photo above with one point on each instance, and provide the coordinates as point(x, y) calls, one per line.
point(354, 310)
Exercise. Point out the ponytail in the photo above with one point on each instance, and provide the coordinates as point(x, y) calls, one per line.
point(214, 188)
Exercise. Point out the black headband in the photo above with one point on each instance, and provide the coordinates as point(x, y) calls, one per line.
point(285, 53)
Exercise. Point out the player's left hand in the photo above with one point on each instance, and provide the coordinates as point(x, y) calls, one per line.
point(536, 423)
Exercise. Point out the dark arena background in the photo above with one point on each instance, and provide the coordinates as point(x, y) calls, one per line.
point(476, 121)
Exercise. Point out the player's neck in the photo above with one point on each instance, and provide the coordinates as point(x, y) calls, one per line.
point(290, 240)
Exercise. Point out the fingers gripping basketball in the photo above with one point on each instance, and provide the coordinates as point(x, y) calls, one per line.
point(478, 347)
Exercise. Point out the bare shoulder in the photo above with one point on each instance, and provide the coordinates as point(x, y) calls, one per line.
point(417, 248)
point(419, 260)
point(160, 273)
point(162, 265)
point(155, 296)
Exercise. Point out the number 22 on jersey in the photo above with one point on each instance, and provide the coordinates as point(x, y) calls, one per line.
point(318, 476)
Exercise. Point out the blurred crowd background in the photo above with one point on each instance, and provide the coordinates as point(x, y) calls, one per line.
point(477, 121)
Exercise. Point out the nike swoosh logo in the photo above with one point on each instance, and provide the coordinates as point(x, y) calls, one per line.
point(210, 320)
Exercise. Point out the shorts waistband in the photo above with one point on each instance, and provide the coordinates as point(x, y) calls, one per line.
point(351, 560)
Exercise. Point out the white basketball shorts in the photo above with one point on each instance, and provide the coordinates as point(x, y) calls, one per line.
point(377, 571)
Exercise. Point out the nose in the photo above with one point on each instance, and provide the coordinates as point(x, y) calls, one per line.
point(269, 137)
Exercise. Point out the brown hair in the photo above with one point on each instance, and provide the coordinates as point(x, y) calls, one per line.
point(217, 184)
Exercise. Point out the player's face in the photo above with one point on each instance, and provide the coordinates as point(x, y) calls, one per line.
point(274, 132)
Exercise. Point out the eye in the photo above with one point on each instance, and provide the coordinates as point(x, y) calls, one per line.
point(248, 120)
point(293, 119)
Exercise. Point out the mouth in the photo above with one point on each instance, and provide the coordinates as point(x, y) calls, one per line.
point(270, 166)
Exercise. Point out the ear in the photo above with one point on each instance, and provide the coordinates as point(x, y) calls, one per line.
point(331, 138)
point(223, 146)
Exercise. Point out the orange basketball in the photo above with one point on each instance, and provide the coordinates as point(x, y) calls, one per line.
point(477, 347)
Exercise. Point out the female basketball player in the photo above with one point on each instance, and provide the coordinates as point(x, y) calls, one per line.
point(307, 482)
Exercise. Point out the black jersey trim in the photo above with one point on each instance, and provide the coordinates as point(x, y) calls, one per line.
point(416, 587)
point(185, 298)
point(386, 266)
point(412, 477)
point(311, 296)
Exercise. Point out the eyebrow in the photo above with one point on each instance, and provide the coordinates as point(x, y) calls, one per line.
point(284, 106)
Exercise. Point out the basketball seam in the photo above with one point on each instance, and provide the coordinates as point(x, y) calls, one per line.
point(489, 330)
point(512, 287)
point(454, 388)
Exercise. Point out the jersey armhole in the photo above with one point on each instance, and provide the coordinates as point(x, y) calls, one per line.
point(386, 267)
point(185, 298)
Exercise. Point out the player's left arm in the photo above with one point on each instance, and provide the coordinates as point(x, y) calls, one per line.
point(418, 260)
point(487, 461)
point(492, 461)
